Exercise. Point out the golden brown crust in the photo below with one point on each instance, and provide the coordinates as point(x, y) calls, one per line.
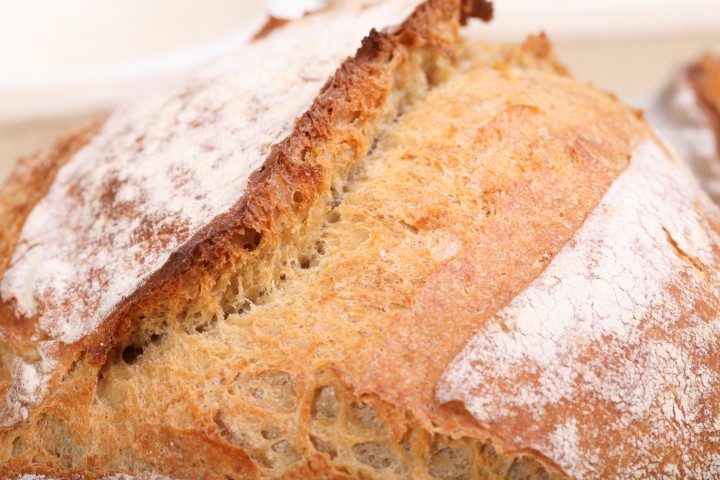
point(355, 94)
point(531, 213)
point(539, 158)
point(303, 333)
point(352, 93)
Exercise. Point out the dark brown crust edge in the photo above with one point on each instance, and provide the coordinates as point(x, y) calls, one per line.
point(254, 215)
point(469, 9)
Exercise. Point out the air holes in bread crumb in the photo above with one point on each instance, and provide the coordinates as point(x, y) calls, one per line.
point(309, 261)
point(206, 326)
point(364, 417)
point(18, 446)
point(449, 463)
point(131, 353)
point(270, 433)
point(524, 468)
point(323, 446)
point(374, 454)
point(245, 307)
point(272, 390)
point(333, 216)
point(284, 454)
point(325, 404)
point(239, 439)
point(251, 240)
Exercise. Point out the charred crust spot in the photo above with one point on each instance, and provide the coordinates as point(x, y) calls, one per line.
point(481, 9)
point(371, 46)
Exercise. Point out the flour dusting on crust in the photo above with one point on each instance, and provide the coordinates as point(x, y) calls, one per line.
point(30, 383)
point(615, 332)
point(159, 171)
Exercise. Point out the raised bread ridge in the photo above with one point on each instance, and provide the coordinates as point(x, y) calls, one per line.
point(161, 169)
point(608, 363)
point(127, 229)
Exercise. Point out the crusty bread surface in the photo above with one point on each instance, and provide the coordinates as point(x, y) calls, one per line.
point(453, 262)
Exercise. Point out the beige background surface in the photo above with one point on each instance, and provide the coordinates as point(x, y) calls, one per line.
point(633, 66)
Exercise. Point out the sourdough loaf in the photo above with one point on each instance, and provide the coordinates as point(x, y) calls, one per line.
point(430, 259)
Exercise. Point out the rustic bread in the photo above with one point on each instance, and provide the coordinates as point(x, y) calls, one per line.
point(453, 262)
point(687, 114)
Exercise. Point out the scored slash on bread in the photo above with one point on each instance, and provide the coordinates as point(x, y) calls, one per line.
point(452, 262)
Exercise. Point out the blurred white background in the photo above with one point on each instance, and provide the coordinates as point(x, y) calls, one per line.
point(62, 63)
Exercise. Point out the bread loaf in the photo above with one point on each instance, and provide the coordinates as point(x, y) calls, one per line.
point(419, 258)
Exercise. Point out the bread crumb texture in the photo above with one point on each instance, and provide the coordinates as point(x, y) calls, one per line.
point(336, 323)
point(136, 192)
